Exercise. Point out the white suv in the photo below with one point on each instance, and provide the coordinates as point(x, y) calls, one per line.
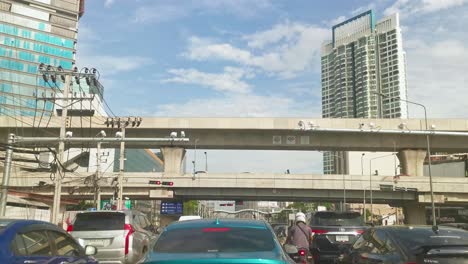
point(119, 236)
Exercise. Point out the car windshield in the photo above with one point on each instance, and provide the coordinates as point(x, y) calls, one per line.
point(337, 219)
point(417, 238)
point(215, 240)
point(99, 221)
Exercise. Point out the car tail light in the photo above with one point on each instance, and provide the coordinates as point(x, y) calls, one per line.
point(216, 229)
point(319, 231)
point(128, 231)
point(301, 252)
point(360, 231)
point(69, 228)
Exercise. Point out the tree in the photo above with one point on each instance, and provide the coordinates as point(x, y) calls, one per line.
point(191, 207)
point(81, 206)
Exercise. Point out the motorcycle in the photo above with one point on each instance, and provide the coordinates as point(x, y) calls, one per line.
point(299, 255)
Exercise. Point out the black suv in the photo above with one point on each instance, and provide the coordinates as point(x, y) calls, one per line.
point(333, 233)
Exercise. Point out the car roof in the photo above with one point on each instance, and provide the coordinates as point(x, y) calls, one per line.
point(318, 213)
point(127, 212)
point(407, 228)
point(218, 222)
point(20, 223)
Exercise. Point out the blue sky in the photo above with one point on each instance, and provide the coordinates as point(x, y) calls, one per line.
point(259, 58)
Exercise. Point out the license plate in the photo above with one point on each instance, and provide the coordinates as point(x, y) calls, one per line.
point(342, 238)
point(95, 242)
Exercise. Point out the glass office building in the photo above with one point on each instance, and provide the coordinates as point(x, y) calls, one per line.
point(34, 32)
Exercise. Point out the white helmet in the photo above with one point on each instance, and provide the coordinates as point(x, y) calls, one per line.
point(300, 217)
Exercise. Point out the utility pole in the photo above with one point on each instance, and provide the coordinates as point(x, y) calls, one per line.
point(6, 175)
point(97, 194)
point(121, 171)
point(61, 148)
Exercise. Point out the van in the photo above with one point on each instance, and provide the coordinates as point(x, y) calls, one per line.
point(120, 236)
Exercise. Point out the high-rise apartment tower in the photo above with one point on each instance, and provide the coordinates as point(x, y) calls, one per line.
point(363, 58)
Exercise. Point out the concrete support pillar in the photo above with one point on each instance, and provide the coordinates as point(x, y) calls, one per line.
point(412, 161)
point(415, 213)
point(173, 158)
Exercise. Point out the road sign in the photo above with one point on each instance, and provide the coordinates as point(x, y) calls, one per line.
point(172, 208)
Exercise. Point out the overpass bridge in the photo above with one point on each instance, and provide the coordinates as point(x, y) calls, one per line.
point(253, 186)
point(405, 136)
point(411, 193)
point(261, 133)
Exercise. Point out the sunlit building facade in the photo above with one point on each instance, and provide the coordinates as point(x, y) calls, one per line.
point(34, 32)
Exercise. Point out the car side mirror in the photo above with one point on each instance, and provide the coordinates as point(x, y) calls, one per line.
point(290, 249)
point(90, 250)
point(159, 230)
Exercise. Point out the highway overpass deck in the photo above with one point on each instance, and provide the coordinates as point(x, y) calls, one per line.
point(263, 133)
point(255, 186)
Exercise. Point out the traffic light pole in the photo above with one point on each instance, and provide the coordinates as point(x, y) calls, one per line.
point(121, 171)
point(6, 175)
point(98, 177)
point(61, 149)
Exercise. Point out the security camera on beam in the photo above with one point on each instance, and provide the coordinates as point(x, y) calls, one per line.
point(123, 122)
point(310, 125)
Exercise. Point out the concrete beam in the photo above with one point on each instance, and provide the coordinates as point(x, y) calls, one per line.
point(173, 158)
point(269, 133)
point(412, 161)
point(415, 213)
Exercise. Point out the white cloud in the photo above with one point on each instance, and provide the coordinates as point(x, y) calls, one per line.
point(241, 105)
point(228, 81)
point(108, 3)
point(241, 8)
point(437, 77)
point(280, 32)
point(111, 65)
point(406, 7)
point(335, 21)
point(296, 48)
point(158, 13)
point(204, 49)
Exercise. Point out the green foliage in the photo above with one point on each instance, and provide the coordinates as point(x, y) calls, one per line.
point(81, 206)
point(191, 207)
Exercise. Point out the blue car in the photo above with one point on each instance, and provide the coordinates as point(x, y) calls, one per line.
point(30, 241)
point(218, 241)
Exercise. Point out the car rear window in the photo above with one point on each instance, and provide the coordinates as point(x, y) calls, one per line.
point(215, 240)
point(337, 219)
point(99, 221)
point(416, 238)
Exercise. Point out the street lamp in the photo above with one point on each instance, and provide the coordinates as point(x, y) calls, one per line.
point(344, 182)
point(434, 222)
point(194, 161)
point(370, 183)
point(364, 203)
point(362, 163)
point(206, 161)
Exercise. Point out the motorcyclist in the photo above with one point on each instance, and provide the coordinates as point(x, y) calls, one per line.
point(300, 234)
